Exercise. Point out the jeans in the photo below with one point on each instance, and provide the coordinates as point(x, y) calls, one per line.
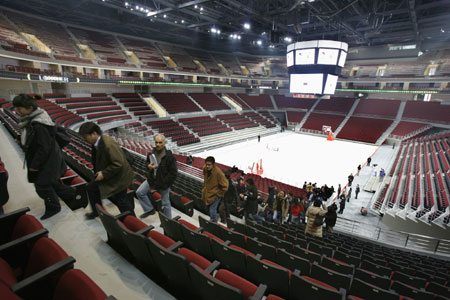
point(51, 192)
point(295, 220)
point(120, 199)
point(213, 209)
point(142, 195)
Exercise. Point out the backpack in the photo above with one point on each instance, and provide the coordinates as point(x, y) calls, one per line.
point(318, 221)
point(62, 137)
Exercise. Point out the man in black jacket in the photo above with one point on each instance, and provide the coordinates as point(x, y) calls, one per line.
point(42, 154)
point(162, 172)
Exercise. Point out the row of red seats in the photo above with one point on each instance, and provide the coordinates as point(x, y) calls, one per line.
point(116, 118)
point(364, 129)
point(34, 266)
point(81, 99)
point(315, 121)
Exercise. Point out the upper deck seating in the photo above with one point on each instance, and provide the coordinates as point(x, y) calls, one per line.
point(337, 105)
point(377, 107)
point(260, 101)
point(209, 101)
point(315, 121)
point(289, 102)
point(176, 102)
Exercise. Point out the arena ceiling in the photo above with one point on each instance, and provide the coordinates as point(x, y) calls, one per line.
point(219, 24)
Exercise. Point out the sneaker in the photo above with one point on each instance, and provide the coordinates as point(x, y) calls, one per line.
point(49, 214)
point(91, 216)
point(146, 214)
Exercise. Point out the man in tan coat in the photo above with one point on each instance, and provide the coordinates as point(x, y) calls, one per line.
point(311, 213)
point(215, 185)
point(113, 173)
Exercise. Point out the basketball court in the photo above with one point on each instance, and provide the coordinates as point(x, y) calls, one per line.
point(294, 158)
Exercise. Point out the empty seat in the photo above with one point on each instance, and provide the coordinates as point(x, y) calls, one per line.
point(267, 251)
point(412, 292)
point(40, 267)
point(338, 266)
point(375, 268)
point(293, 262)
point(233, 287)
point(76, 285)
point(231, 258)
point(383, 282)
point(417, 282)
point(368, 291)
point(330, 277)
point(134, 233)
point(276, 277)
point(307, 288)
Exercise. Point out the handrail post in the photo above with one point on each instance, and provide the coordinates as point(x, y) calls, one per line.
point(407, 239)
point(437, 246)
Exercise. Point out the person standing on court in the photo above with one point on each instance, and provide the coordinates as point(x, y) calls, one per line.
point(43, 156)
point(113, 173)
point(215, 185)
point(350, 179)
point(161, 174)
point(357, 190)
point(369, 159)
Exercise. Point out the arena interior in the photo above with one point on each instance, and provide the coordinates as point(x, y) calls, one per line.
point(214, 77)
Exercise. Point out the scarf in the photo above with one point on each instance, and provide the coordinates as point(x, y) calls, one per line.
point(37, 116)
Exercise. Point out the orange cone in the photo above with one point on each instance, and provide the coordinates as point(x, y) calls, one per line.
point(330, 136)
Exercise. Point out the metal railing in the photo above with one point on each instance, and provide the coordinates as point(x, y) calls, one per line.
point(401, 239)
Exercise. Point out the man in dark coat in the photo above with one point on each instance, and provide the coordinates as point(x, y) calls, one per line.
point(229, 203)
point(251, 199)
point(357, 190)
point(4, 195)
point(162, 172)
point(331, 217)
point(113, 173)
point(43, 156)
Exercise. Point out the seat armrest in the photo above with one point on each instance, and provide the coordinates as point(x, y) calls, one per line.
point(262, 288)
point(12, 246)
point(214, 265)
point(175, 246)
point(176, 218)
point(258, 256)
point(29, 287)
point(145, 230)
point(122, 216)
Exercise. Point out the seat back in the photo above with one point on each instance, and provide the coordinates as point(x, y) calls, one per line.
point(26, 224)
point(383, 282)
point(45, 252)
point(274, 276)
point(163, 240)
point(246, 287)
point(198, 242)
point(331, 277)
point(133, 224)
point(293, 262)
point(368, 291)
point(307, 288)
point(229, 257)
point(267, 251)
point(76, 285)
point(171, 227)
point(113, 231)
point(209, 287)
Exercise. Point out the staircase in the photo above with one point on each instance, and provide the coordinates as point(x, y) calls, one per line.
point(350, 113)
point(300, 125)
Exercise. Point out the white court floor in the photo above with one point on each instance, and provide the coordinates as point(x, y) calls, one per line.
point(295, 158)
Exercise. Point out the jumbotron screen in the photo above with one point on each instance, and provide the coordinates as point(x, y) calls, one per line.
point(314, 66)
